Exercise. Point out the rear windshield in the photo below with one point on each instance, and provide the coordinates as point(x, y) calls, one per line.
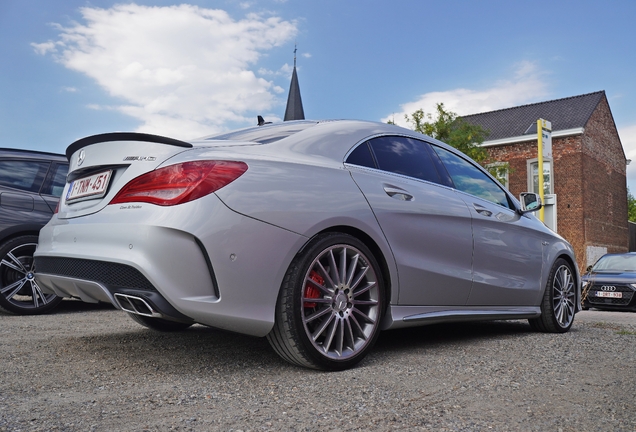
point(622, 263)
point(265, 134)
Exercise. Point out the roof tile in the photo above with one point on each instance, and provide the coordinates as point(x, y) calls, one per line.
point(567, 113)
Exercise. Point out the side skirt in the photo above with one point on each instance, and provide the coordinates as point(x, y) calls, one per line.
point(413, 316)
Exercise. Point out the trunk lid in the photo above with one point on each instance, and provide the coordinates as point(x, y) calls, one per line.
point(101, 165)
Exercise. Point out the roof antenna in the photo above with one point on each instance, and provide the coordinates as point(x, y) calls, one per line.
point(261, 121)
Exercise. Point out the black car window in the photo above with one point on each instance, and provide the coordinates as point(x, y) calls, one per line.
point(362, 156)
point(470, 179)
point(23, 175)
point(406, 156)
point(57, 179)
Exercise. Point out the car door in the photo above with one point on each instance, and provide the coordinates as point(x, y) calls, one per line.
point(507, 260)
point(20, 182)
point(428, 227)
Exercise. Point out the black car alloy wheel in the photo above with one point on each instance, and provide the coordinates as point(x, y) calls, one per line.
point(19, 292)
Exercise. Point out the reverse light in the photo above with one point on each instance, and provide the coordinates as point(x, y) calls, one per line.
point(180, 183)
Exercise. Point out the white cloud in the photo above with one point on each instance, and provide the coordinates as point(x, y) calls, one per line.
point(524, 87)
point(285, 70)
point(183, 71)
point(628, 139)
point(43, 48)
point(69, 89)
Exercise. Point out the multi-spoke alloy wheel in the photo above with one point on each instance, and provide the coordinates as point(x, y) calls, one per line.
point(559, 301)
point(19, 292)
point(331, 302)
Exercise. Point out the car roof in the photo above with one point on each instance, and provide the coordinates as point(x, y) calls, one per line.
point(325, 139)
point(32, 154)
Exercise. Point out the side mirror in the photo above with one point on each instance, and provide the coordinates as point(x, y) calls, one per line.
point(530, 202)
point(588, 269)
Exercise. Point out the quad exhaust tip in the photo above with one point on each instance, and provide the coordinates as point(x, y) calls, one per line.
point(135, 305)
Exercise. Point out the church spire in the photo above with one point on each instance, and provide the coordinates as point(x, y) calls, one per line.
point(294, 110)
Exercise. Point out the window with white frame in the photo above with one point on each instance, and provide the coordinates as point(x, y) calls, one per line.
point(533, 176)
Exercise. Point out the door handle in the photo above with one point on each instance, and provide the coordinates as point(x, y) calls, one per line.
point(482, 210)
point(397, 193)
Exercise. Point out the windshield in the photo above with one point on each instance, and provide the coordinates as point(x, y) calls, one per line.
point(621, 263)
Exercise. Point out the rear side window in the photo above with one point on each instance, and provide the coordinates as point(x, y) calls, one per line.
point(57, 180)
point(24, 175)
point(362, 156)
point(405, 156)
point(470, 179)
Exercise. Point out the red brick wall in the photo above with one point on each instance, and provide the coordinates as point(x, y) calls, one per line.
point(588, 178)
point(604, 182)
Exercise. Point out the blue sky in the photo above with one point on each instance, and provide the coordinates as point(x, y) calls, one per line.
point(72, 68)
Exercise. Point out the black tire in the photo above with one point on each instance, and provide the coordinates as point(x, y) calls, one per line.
point(330, 304)
point(159, 324)
point(559, 300)
point(19, 292)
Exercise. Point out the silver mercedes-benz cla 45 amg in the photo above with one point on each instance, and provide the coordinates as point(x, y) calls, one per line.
point(315, 234)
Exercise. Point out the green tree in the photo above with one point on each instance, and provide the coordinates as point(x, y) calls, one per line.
point(446, 126)
point(631, 207)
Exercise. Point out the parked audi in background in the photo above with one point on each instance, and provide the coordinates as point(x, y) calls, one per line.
point(610, 284)
point(31, 183)
point(316, 234)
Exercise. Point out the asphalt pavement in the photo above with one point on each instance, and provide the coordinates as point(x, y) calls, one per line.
point(594, 315)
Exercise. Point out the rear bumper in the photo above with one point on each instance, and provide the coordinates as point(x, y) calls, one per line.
point(147, 302)
point(198, 262)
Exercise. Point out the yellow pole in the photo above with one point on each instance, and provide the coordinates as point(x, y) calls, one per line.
point(540, 164)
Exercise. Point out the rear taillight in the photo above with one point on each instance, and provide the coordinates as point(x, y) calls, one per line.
point(180, 183)
point(57, 207)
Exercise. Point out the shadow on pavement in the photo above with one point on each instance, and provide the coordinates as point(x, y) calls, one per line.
point(74, 305)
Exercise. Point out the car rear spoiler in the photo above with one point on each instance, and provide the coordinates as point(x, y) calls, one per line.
point(123, 136)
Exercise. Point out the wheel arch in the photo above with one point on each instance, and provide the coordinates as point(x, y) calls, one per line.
point(375, 250)
point(19, 230)
point(577, 276)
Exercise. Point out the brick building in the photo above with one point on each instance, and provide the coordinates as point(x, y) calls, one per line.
point(585, 183)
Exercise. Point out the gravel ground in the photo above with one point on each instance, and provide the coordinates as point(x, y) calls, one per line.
point(89, 367)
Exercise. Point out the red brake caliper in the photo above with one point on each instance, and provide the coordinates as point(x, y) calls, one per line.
point(311, 291)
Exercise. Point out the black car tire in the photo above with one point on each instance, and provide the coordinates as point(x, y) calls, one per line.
point(330, 305)
point(159, 324)
point(19, 292)
point(559, 300)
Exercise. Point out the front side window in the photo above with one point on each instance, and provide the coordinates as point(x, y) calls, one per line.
point(470, 179)
point(24, 175)
point(500, 171)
